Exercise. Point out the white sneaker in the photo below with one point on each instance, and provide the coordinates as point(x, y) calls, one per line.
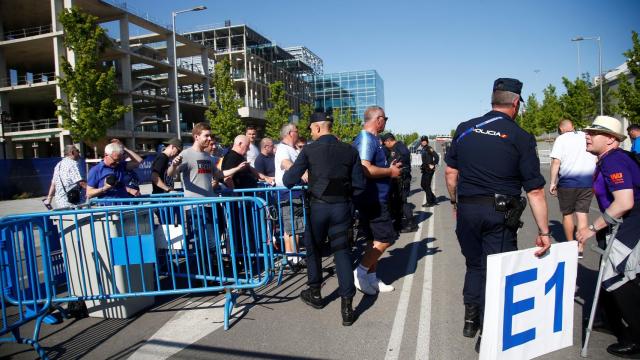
point(361, 282)
point(378, 285)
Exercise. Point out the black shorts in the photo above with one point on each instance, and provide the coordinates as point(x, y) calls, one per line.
point(376, 222)
point(574, 200)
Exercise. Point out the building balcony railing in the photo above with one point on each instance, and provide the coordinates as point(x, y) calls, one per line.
point(26, 32)
point(30, 125)
point(28, 79)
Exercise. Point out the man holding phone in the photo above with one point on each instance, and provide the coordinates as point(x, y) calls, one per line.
point(108, 178)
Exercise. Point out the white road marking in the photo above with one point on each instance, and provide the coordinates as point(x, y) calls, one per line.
point(184, 329)
point(397, 331)
point(424, 326)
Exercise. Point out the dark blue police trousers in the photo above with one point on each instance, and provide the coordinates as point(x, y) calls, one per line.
point(331, 221)
point(481, 232)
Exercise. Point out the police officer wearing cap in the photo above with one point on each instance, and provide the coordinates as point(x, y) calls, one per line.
point(335, 175)
point(490, 161)
point(430, 159)
point(400, 187)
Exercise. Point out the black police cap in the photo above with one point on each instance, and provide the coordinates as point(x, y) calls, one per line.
point(424, 138)
point(319, 116)
point(387, 136)
point(508, 84)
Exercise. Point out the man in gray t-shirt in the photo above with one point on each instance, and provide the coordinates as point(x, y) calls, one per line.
point(196, 167)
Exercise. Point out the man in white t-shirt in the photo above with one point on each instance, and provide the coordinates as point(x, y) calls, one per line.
point(572, 170)
point(253, 152)
point(286, 155)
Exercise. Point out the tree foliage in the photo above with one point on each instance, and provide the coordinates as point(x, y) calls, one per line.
point(223, 110)
point(91, 106)
point(628, 94)
point(529, 119)
point(407, 139)
point(279, 112)
point(345, 126)
point(579, 103)
point(550, 112)
point(303, 124)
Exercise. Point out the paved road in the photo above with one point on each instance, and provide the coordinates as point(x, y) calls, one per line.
point(421, 319)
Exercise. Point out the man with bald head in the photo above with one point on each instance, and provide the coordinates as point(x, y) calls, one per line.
point(247, 177)
point(571, 178)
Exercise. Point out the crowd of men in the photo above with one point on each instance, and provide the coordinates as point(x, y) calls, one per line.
point(489, 162)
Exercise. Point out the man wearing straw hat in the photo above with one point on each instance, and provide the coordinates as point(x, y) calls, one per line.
point(617, 189)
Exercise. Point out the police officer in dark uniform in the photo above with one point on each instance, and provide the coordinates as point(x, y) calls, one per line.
point(490, 161)
point(335, 175)
point(430, 159)
point(400, 187)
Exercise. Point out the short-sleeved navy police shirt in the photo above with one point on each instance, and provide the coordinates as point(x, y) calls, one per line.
point(496, 158)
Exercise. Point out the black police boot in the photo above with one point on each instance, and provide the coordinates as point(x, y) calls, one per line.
point(312, 297)
point(409, 227)
point(471, 320)
point(346, 309)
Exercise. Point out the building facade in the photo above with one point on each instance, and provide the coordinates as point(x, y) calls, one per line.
point(30, 50)
point(352, 91)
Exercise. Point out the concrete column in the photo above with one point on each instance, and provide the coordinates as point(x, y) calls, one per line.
point(60, 50)
point(172, 84)
point(204, 59)
point(125, 68)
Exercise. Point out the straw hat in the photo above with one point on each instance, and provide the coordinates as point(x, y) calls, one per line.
point(608, 125)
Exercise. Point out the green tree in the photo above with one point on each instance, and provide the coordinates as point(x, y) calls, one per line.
point(345, 126)
point(303, 124)
point(279, 112)
point(628, 94)
point(91, 106)
point(529, 119)
point(579, 103)
point(407, 139)
point(550, 111)
point(223, 110)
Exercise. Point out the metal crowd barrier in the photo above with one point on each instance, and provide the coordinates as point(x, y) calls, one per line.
point(103, 255)
point(284, 253)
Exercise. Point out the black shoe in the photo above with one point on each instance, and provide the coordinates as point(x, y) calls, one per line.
point(629, 351)
point(430, 204)
point(409, 228)
point(471, 320)
point(312, 297)
point(346, 309)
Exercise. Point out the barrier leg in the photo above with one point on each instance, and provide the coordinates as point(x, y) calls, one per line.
point(230, 302)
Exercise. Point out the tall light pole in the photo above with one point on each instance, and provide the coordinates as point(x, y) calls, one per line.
point(175, 62)
point(600, 76)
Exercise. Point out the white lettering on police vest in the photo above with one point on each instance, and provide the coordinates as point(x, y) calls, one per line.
point(488, 132)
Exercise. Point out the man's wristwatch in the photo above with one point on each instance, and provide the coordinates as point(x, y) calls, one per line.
point(593, 228)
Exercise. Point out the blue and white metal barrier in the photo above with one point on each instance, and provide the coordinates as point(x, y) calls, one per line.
point(135, 252)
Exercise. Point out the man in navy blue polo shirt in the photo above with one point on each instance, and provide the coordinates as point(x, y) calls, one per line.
point(372, 204)
point(490, 161)
point(109, 178)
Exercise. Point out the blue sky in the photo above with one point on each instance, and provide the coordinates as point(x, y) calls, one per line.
point(438, 59)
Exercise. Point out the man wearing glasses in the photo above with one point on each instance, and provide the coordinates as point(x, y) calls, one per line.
point(372, 204)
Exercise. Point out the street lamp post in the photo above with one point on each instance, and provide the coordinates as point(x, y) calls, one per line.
point(600, 76)
point(175, 62)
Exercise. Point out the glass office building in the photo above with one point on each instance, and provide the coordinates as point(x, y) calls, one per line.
point(353, 90)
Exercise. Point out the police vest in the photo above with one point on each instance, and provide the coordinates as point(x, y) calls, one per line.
point(330, 166)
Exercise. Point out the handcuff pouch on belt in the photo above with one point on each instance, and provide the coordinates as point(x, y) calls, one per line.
point(512, 207)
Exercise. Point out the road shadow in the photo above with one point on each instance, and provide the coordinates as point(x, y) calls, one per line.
point(396, 266)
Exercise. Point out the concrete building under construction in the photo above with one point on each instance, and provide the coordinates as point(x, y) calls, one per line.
point(30, 50)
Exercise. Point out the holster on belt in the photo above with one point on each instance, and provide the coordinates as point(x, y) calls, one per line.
point(513, 207)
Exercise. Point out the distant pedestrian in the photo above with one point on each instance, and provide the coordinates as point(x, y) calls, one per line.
point(265, 162)
point(617, 189)
point(162, 179)
point(634, 135)
point(67, 180)
point(430, 160)
point(572, 178)
point(108, 179)
point(373, 203)
point(253, 151)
